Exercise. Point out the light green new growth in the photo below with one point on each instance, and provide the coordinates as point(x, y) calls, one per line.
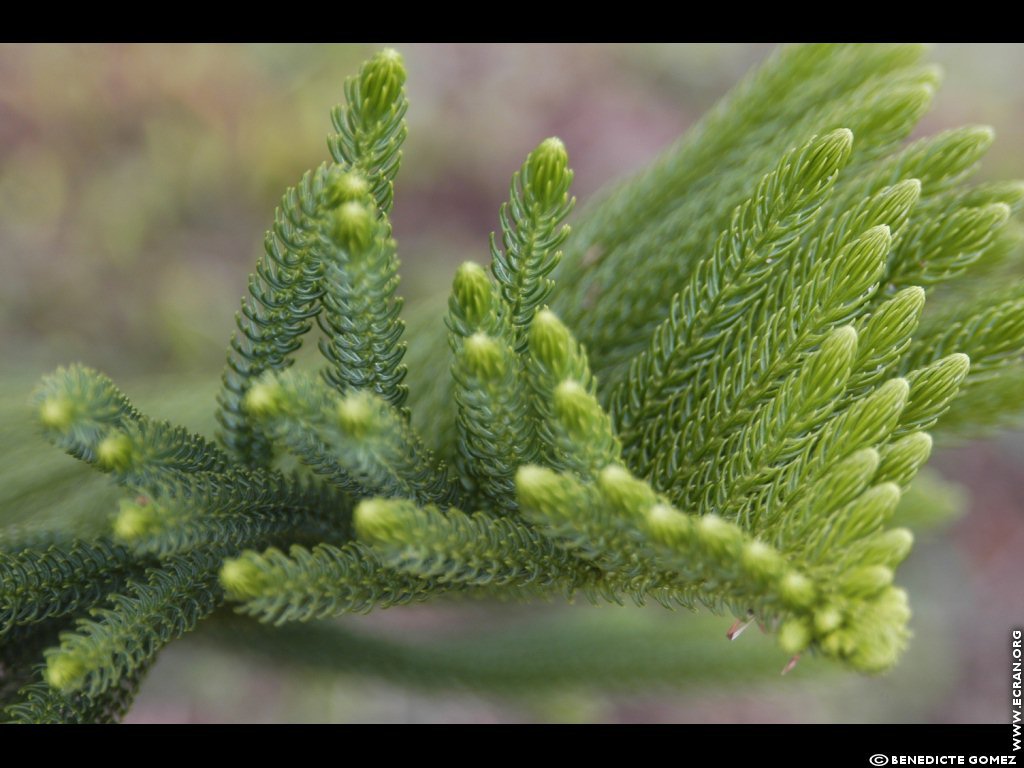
point(720, 401)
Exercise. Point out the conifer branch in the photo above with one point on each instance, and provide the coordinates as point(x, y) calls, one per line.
point(359, 442)
point(455, 548)
point(282, 301)
point(763, 232)
point(39, 584)
point(41, 704)
point(662, 256)
point(287, 283)
point(371, 125)
point(205, 512)
point(84, 414)
point(749, 387)
point(495, 434)
point(360, 318)
point(576, 433)
point(313, 584)
point(531, 232)
point(122, 639)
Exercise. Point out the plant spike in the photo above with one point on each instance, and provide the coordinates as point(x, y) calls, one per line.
point(38, 584)
point(455, 548)
point(312, 584)
point(359, 442)
point(662, 258)
point(285, 289)
point(371, 124)
point(39, 703)
point(531, 232)
point(575, 431)
point(360, 317)
point(762, 234)
point(122, 639)
point(493, 428)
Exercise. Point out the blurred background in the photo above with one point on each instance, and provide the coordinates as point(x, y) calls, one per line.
point(136, 182)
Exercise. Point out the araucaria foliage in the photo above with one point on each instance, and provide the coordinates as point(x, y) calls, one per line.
point(713, 391)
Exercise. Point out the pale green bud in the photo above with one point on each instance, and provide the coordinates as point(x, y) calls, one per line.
point(864, 514)
point(347, 187)
point(64, 672)
point(839, 644)
point(357, 413)
point(241, 578)
point(473, 293)
point(969, 228)
point(905, 106)
point(825, 374)
point(794, 636)
point(576, 409)
point(540, 488)
point(828, 154)
point(932, 388)
point(625, 492)
point(484, 356)
point(669, 526)
point(56, 413)
point(546, 176)
point(796, 590)
point(380, 83)
point(879, 631)
point(892, 324)
point(134, 519)
point(827, 619)
point(550, 342)
point(873, 418)
point(761, 561)
point(719, 537)
point(895, 203)
point(955, 151)
point(115, 452)
point(377, 520)
point(264, 398)
point(865, 581)
point(352, 226)
point(847, 479)
point(889, 548)
point(862, 264)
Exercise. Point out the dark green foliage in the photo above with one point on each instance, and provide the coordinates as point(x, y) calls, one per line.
point(37, 584)
point(284, 291)
point(122, 639)
point(20, 650)
point(181, 517)
point(41, 704)
point(723, 406)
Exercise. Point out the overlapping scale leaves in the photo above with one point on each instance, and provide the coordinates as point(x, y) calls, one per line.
point(747, 350)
